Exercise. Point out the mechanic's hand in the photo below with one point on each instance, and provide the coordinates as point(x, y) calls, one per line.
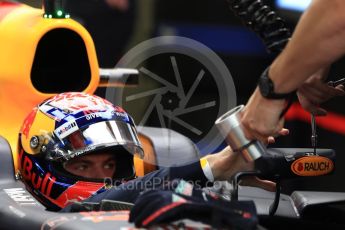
point(121, 5)
point(226, 164)
point(261, 117)
point(315, 91)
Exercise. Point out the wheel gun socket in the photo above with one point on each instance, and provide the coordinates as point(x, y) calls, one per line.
point(233, 131)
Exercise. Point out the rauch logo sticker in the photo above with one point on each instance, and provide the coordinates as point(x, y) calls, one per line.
point(312, 166)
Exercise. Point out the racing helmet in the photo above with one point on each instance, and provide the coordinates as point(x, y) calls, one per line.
point(68, 126)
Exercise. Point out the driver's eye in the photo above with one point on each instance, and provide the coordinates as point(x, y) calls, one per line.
point(109, 165)
point(81, 167)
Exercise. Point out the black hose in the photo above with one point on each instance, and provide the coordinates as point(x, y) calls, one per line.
point(264, 21)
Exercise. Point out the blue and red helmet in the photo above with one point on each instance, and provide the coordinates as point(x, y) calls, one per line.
point(67, 126)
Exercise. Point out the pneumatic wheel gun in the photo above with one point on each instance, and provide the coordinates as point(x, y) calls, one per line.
point(272, 164)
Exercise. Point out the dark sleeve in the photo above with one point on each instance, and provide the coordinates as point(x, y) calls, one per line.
point(129, 191)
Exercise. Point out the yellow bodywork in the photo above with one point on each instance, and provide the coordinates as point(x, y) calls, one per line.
point(21, 28)
point(20, 32)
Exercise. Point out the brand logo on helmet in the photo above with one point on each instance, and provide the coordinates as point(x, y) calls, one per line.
point(119, 112)
point(66, 129)
point(92, 116)
point(123, 115)
point(81, 190)
point(28, 122)
point(312, 166)
point(44, 182)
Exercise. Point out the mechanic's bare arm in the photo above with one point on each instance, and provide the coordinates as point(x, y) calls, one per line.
point(318, 40)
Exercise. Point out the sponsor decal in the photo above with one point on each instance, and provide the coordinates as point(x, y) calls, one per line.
point(87, 149)
point(92, 116)
point(54, 222)
point(21, 196)
point(120, 112)
point(52, 112)
point(66, 129)
point(312, 166)
point(123, 115)
point(97, 217)
point(77, 192)
point(28, 122)
point(184, 188)
point(44, 182)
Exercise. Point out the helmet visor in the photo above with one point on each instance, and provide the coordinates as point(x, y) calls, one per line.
point(95, 137)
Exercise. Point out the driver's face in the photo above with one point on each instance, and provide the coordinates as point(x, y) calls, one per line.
point(98, 166)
